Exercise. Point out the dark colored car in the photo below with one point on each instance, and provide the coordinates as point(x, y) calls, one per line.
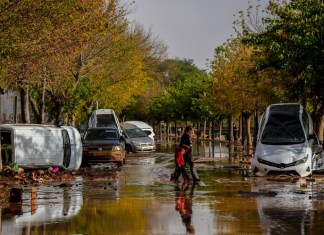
point(102, 144)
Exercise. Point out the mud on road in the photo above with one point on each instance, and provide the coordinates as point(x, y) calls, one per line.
point(97, 176)
point(12, 177)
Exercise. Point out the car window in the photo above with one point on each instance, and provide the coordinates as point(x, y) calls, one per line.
point(148, 132)
point(283, 129)
point(135, 133)
point(100, 134)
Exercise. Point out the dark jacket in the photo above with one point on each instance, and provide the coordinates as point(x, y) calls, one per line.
point(186, 140)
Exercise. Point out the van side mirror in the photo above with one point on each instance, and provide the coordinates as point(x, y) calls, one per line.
point(311, 136)
point(59, 123)
point(124, 134)
point(81, 128)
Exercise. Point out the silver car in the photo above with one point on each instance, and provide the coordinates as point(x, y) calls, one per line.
point(136, 139)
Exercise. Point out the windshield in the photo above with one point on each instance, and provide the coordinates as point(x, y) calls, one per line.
point(283, 129)
point(135, 133)
point(100, 134)
point(106, 120)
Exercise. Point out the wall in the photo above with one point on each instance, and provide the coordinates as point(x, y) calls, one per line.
point(9, 107)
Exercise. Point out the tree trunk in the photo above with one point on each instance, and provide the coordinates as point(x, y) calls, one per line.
point(59, 113)
point(248, 129)
point(256, 127)
point(24, 97)
point(72, 121)
point(39, 108)
point(198, 130)
point(167, 128)
point(220, 129)
point(243, 136)
point(240, 133)
point(0, 160)
point(319, 127)
point(42, 105)
point(230, 128)
point(210, 130)
point(16, 109)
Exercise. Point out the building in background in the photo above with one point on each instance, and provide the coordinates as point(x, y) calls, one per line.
point(10, 111)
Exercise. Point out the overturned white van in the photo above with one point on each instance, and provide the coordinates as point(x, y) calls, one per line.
point(40, 146)
point(286, 142)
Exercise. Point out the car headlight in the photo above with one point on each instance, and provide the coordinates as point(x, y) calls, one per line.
point(303, 160)
point(116, 148)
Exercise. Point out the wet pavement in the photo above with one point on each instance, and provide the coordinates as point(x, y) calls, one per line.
point(141, 200)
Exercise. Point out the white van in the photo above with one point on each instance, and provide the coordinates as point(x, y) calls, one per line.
point(286, 142)
point(104, 118)
point(40, 146)
point(144, 126)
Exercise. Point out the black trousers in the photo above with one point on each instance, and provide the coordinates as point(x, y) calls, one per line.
point(181, 170)
point(188, 159)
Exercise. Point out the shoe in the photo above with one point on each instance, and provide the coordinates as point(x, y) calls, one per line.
point(172, 177)
point(197, 180)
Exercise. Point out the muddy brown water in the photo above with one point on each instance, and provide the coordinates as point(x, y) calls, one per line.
point(143, 201)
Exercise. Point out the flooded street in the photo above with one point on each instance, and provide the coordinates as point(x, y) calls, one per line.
point(143, 201)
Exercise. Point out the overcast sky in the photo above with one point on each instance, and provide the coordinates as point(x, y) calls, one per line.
point(191, 29)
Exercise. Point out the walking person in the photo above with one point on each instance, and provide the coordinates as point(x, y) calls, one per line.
point(180, 168)
point(186, 143)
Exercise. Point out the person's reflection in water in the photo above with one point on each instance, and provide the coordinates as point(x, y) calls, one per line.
point(183, 204)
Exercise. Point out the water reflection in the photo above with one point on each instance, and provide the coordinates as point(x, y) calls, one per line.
point(201, 148)
point(284, 207)
point(183, 204)
point(39, 208)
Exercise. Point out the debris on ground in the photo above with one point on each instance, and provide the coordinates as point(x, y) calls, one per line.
point(108, 166)
point(257, 194)
point(21, 176)
point(284, 178)
point(14, 177)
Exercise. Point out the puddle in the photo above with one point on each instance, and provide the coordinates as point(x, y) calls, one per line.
point(143, 201)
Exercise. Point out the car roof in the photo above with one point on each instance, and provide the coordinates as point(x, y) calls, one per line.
point(125, 125)
point(139, 124)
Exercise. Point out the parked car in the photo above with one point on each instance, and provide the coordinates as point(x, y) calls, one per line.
point(286, 142)
point(102, 145)
point(136, 139)
point(144, 126)
point(41, 146)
